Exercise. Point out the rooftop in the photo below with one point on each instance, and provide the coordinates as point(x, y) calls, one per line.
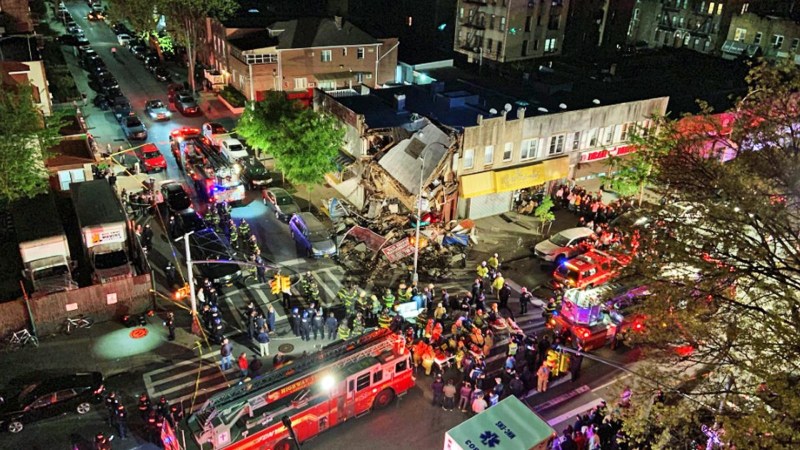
point(19, 48)
point(430, 144)
point(307, 32)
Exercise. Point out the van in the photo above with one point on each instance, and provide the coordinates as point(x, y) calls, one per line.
point(313, 239)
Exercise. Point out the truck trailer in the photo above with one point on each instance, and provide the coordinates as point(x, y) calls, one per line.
point(104, 229)
point(43, 245)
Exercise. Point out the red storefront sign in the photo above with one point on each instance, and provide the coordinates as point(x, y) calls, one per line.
point(398, 250)
point(605, 153)
point(374, 241)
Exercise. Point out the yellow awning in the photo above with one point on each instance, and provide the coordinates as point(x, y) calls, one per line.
point(533, 175)
point(477, 184)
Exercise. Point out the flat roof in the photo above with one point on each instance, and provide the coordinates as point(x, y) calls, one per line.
point(36, 218)
point(96, 203)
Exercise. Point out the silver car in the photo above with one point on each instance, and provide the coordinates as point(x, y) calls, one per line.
point(133, 128)
point(157, 110)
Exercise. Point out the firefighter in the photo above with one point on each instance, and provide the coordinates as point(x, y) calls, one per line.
point(344, 330)
point(388, 299)
point(482, 271)
point(313, 292)
point(252, 245)
point(296, 321)
point(305, 326)
point(162, 407)
point(403, 294)
point(363, 303)
point(347, 299)
point(305, 284)
point(144, 406)
point(101, 442)
point(212, 219)
point(376, 307)
point(231, 229)
point(318, 324)
point(549, 309)
point(175, 415)
point(494, 262)
point(358, 324)
point(419, 323)
point(234, 238)
point(244, 229)
point(384, 320)
point(153, 430)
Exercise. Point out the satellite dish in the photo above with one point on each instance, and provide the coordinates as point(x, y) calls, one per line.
point(596, 101)
point(541, 109)
point(507, 107)
point(562, 105)
point(492, 111)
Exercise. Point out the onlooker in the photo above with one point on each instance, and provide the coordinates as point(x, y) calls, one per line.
point(226, 352)
point(479, 404)
point(244, 365)
point(449, 391)
point(262, 339)
point(464, 394)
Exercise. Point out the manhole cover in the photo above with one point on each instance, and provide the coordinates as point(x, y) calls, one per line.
point(286, 348)
point(138, 333)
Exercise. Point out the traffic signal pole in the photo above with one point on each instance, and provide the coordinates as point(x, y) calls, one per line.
point(190, 280)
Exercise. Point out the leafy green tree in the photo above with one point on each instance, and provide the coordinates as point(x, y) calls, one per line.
point(544, 212)
point(721, 259)
point(303, 142)
point(141, 14)
point(27, 136)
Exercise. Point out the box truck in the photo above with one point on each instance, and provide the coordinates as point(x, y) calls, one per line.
point(104, 229)
point(43, 244)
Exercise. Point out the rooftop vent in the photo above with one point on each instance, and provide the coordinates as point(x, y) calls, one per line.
point(562, 105)
point(596, 101)
point(542, 109)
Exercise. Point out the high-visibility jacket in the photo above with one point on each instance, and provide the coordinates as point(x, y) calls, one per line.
point(344, 331)
point(384, 320)
point(388, 300)
point(482, 271)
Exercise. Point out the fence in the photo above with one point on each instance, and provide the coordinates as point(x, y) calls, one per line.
point(102, 302)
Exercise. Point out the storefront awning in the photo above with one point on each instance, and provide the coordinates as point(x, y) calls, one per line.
point(477, 184)
point(493, 182)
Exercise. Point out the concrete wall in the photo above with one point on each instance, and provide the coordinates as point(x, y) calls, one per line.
point(102, 302)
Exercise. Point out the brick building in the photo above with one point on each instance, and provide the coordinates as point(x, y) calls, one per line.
point(15, 16)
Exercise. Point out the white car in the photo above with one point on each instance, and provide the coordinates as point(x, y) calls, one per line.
point(124, 39)
point(233, 149)
point(564, 245)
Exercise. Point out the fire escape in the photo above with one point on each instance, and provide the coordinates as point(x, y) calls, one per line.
point(475, 24)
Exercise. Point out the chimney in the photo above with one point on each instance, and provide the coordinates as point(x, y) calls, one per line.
point(520, 112)
point(400, 102)
point(338, 20)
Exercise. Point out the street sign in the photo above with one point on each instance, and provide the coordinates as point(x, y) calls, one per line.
point(398, 250)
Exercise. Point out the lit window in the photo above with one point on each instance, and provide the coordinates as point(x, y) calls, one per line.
point(344, 51)
point(488, 155)
point(576, 140)
point(711, 7)
point(508, 151)
point(326, 56)
point(502, 24)
point(469, 158)
point(550, 45)
point(740, 35)
point(719, 9)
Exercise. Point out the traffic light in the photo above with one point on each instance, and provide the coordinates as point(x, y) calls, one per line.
point(182, 292)
point(275, 284)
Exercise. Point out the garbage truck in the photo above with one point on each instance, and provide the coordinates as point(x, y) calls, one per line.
point(508, 425)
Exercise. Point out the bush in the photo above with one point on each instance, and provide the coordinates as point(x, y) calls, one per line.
point(232, 96)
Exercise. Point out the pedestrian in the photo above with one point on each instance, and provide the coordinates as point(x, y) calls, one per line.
point(479, 404)
point(122, 422)
point(111, 407)
point(438, 391)
point(543, 377)
point(226, 352)
point(255, 367)
point(525, 298)
point(449, 392)
point(271, 318)
point(244, 365)
point(464, 396)
point(170, 324)
point(330, 325)
point(262, 339)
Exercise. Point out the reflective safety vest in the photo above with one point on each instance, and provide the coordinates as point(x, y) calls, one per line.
point(388, 300)
point(344, 332)
point(384, 320)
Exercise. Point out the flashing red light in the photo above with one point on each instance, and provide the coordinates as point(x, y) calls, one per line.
point(582, 333)
point(684, 350)
point(638, 326)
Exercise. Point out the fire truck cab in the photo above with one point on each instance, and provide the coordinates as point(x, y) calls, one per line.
point(213, 177)
point(591, 269)
point(592, 318)
point(343, 380)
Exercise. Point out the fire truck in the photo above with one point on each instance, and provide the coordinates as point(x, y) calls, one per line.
point(308, 396)
point(594, 317)
point(590, 269)
point(214, 178)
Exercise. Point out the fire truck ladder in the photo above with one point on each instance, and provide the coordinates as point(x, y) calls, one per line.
point(213, 157)
point(372, 342)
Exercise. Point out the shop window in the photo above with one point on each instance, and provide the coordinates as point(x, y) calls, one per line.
point(508, 151)
point(556, 145)
point(488, 155)
point(469, 158)
point(528, 149)
point(362, 382)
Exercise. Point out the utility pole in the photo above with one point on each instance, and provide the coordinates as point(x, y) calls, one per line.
point(190, 280)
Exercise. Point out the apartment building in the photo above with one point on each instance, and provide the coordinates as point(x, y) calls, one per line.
point(769, 35)
point(15, 16)
point(510, 30)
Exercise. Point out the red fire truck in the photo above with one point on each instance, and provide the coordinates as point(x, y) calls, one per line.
point(308, 396)
point(590, 269)
point(214, 178)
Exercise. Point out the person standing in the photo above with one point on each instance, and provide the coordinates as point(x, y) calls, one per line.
point(318, 324)
point(296, 321)
point(170, 324)
point(525, 298)
point(251, 324)
point(112, 403)
point(244, 365)
point(122, 422)
point(271, 319)
point(575, 365)
point(464, 395)
point(144, 406)
point(331, 324)
point(262, 339)
point(147, 236)
point(438, 391)
point(449, 392)
point(503, 295)
point(479, 404)
point(305, 326)
point(543, 377)
point(226, 352)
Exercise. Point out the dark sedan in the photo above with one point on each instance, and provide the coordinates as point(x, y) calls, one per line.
point(207, 245)
point(175, 197)
point(49, 396)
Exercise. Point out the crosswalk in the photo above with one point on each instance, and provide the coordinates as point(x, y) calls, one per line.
point(188, 382)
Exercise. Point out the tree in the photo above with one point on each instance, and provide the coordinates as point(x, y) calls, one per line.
point(187, 18)
point(303, 142)
point(27, 136)
point(544, 212)
point(721, 261)
point(141, 14)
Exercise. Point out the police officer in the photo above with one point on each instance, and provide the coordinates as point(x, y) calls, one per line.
point(170, 324)
point(296, 321)
point(503, 295)
point(173, 227)
point(162, 409)
point(171, 275)
point(330, 325)
point(305, 326)
point(122, 422)
point(261, 271)
point(144, 406)
point(525, 298)
point(318, 324)
point(111, 407)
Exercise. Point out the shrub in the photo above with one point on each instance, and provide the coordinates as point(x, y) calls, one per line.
point(232, 96)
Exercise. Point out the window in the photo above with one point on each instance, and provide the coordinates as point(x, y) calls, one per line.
point(502, 24)
point(719, 9)
point(591, 139)
point(528, 24)
point(795, 44)
point(500, 48)
point(66, 394)
point(491, 22)
point(43, 401)
point(362, 382)
point(344, 51)
point(636, 14)
point(576, 140)
point(777, 41)
point(469, 158)
point(524, 48)
point(711, 7)
point(351, 386)
point(528, 149)
point(535, 44)
point(300, 83)
point(377, 377)
point(326, 56)
point(489, 43)
point(508, 151)
point(609, 135)
point(262, 59)
point(360, 53)
point(740, 34)
point(626, 128)
point(401, 366)
point(549, 45)
point(556, 145)
point(488, 155)
point(757, 39)
point(461, 13)
point(744, 7)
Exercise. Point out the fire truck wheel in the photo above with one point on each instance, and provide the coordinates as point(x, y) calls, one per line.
point(383, 399)
point(285, 444)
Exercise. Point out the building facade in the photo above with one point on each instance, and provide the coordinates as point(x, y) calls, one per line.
point(593, 24)
point(14, 73)
point(502, 155)
point(510, 30)
point(769, 35)
point(300, 54)
point(699, 25)
point(15, 16)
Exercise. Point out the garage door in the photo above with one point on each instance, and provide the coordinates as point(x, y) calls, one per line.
point(489, 205)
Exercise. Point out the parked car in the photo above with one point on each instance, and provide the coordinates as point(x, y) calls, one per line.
point(97, 77)
point(133, 128)
point(185, 221)
point(109, 85)
point(208, 245)
point(67, 39)
point(101, 101)
point(185, 103)
point(42, 397)
point(283, 203)
point(564, 245)
point(162, 74)
point(175, 197)
point(232, 149)
point(97, 7)
point(120, 106)
point(124, 39)
point(157, 110)
point(121, 28)
point(116, 93)
point(313, 239)
point(138, 50)
point(76, 31)
point(254, 174)
point(152, 159)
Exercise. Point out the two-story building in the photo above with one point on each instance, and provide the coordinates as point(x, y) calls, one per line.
point(771, 36)
point(301, 54)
